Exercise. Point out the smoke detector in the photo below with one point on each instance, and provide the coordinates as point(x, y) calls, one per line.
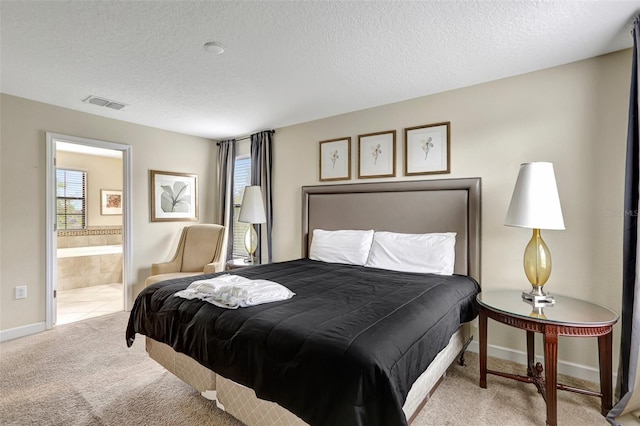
point(96, 100)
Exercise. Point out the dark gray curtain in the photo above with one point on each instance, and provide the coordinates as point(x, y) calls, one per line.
point(629, 398)
point(261, 173)
point(226, 161)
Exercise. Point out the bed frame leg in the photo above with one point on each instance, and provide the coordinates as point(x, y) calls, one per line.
point(464, 349)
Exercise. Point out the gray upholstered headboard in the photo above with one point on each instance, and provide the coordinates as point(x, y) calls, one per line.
point(442, 205)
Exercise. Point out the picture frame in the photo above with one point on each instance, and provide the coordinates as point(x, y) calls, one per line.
point(427, 149)
point(174, 196)
point(335, 159)
point(110, 202)
point(377, 155)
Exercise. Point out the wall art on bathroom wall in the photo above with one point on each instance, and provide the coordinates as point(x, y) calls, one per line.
point(110, 202)
point(174, 196)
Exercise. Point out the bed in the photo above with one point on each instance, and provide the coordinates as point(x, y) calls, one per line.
point(312, 359)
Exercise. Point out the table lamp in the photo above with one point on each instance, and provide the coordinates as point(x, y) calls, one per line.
point(535, 204)
point(251, 212)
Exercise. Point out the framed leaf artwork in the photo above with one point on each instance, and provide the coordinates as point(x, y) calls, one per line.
point(174, 196)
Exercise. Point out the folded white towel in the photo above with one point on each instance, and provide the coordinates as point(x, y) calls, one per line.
point(248, 294)
point(232, 291)
point(203, 288)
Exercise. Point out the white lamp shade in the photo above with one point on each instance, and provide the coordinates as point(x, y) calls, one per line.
point(252, 209)
point(535, 202)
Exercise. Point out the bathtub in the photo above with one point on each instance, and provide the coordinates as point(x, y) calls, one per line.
point(88, 251)
point(89, 266)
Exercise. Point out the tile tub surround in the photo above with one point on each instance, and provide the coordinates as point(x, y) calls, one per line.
point(89, 257)
point(92, 236)
point(87, 271)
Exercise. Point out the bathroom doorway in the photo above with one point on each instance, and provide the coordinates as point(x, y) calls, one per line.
point(87, 224)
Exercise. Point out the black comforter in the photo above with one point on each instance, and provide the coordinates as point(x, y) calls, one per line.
point(344, 350)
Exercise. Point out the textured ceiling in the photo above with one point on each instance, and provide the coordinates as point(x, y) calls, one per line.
point(285, 62)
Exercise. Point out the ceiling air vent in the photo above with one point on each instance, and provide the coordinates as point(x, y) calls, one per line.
point(96, 100)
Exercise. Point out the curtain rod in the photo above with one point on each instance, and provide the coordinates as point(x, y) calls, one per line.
point(248, 137)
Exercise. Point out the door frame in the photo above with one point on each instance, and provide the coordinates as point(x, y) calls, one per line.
point(51, 239)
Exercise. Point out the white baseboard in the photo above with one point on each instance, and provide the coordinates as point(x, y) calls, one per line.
point(564, 367)
point(14, 333)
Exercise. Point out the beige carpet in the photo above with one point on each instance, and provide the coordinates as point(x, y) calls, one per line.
point(83, 374)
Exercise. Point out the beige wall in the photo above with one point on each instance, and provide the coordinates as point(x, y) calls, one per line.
point(22, 194)
point(102, 173)
point(574, 116)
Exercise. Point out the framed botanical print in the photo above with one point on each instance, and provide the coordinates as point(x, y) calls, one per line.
point(335, 159)
point(377, 155)
point(427, 149)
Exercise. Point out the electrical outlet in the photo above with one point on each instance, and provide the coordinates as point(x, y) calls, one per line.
point(21, 292)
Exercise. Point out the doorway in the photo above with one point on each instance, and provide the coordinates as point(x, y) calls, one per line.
point(88, 228)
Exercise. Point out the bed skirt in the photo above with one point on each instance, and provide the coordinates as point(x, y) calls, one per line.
point(242, 403)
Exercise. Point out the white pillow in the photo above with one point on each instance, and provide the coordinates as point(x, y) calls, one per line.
point(346, 246)
point(425, 253)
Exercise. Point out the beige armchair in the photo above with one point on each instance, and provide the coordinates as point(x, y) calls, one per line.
point(199, 252)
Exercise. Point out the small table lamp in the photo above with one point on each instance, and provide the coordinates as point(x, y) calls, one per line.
point(251, 211)
point(535, 204)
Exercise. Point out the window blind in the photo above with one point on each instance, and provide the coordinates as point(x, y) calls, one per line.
point(241, 178)
point(71, 200)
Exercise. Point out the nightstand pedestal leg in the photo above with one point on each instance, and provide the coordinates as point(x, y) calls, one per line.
point(483, 348)
point(604, 352)
point(551, 374)
point(531, 354)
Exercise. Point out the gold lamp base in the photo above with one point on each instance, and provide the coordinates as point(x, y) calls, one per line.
point(251, 242)
point(537, 267)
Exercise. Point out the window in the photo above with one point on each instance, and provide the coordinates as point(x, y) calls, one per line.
point(71, 199)
point(241, 178)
